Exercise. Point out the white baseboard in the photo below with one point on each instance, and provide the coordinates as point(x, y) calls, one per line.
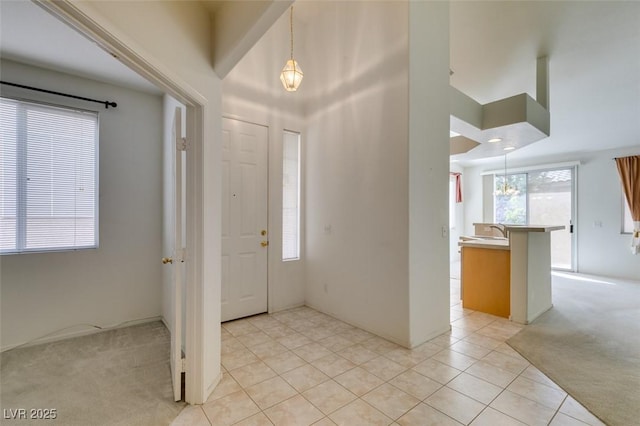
point(284, 308)
point(87, 330)
point(400, 342)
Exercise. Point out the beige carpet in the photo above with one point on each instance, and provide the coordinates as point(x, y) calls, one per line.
point(118, 377)
point(589, 344)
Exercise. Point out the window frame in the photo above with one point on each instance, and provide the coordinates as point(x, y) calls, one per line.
point(526, 196)
point(626, 223)
point(452, 203)
point(298, 247)
point(573, 168)
point(21, 217)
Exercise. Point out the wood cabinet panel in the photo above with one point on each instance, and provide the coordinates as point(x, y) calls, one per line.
point(486, 280)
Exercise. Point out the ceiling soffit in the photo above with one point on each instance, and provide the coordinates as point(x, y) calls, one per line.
point(514, 122)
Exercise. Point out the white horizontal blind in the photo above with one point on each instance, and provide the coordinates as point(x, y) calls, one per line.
point(48, 181)
point(291, 196)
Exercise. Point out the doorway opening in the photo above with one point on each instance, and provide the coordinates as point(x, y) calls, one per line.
point(195, 206)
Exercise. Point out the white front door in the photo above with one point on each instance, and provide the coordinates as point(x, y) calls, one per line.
point(173, 249)
point(244, 219)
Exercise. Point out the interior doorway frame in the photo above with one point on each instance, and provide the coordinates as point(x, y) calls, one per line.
point(195, 103)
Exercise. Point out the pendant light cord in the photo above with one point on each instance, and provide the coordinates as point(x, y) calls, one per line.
point(505, 174)
point(291, 74)
point(291, 27)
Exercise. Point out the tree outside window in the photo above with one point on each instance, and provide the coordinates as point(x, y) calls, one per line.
point(510, 199)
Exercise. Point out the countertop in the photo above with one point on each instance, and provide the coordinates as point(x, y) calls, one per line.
point(487, 244)
point(533, 228)
point(526, 228)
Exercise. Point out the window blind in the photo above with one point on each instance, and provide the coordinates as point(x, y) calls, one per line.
point(48, 181)
point(291, 196)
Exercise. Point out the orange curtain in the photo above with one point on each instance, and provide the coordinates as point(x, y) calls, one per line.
point(629, 170)
point(458, 187)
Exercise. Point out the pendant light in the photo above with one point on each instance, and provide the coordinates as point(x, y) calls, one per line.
point(505, 189)
point(291, 75)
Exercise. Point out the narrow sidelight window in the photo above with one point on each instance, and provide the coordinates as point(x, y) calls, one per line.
point(291, 196)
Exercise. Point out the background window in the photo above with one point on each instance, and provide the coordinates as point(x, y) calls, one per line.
point(291, 196)
point(48, 177)
point(452, 202)
point(510, 199)
point(541, 197)
point(627, 222)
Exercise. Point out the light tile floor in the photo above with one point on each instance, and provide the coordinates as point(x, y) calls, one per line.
point(301, 367)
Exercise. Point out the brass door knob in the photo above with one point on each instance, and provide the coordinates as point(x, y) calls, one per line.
point(166, 260)
point(264, 243)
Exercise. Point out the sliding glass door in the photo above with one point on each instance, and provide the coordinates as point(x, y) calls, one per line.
point(540, 197)
point(551, 202)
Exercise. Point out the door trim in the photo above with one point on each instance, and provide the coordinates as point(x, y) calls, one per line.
point(112, 41)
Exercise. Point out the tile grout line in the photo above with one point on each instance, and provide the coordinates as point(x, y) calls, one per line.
point(558, 410)
point(205, 415)
point(453, 339)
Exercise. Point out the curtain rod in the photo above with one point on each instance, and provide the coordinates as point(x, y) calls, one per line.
point(106, 104)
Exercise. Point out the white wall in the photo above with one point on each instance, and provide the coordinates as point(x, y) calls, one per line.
point(121, 280)
point(356, 156)
point(252, 92)
point(458, 228)
point(477, 193)
point(428, 170)
point(601, 250)
point(473, 197)
point(237, 26)
point(356, 150)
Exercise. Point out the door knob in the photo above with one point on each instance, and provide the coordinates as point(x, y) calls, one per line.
point(166, 260)
point(264, 243)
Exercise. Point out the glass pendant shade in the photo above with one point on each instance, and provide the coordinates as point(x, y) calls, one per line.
point(291, 76)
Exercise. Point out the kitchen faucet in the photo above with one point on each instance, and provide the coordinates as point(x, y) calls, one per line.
point(502, 229)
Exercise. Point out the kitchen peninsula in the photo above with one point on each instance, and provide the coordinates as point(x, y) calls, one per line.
point(508, 277)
